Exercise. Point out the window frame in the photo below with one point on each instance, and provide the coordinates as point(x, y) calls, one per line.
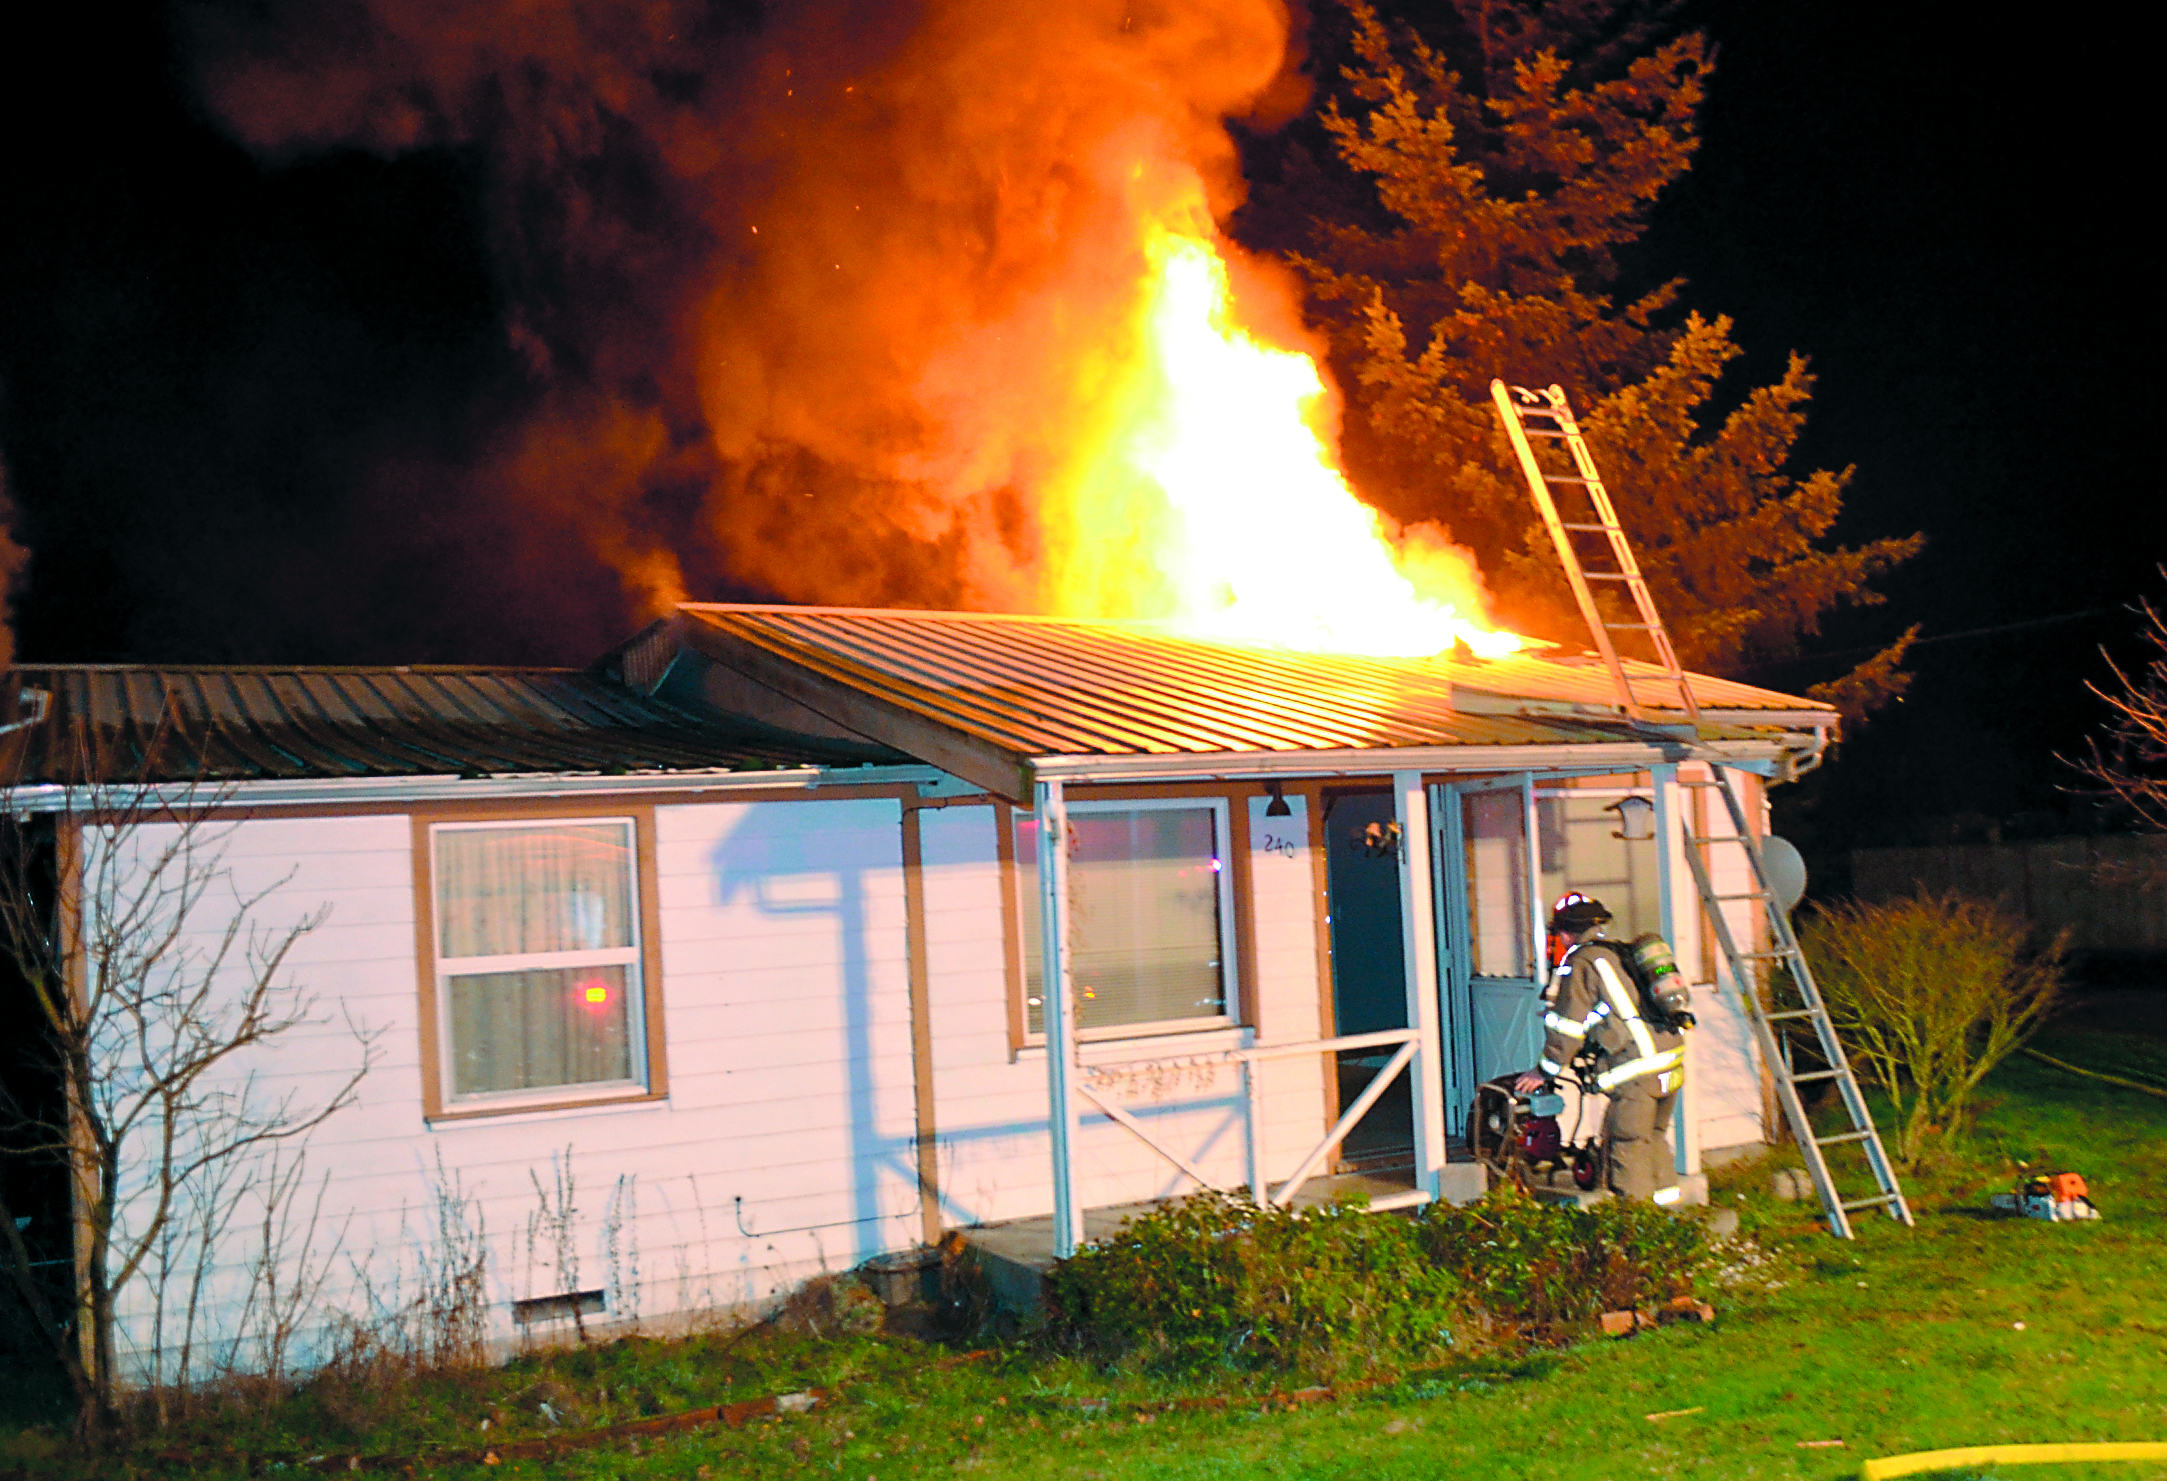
point(1024, 904)
point(644, 1031)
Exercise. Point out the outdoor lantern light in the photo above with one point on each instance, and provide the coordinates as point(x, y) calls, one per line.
point(1636, 817)
point(1379, 841)
point(1278, 808)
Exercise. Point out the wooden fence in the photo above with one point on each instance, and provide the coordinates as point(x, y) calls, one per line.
point(2109, 893)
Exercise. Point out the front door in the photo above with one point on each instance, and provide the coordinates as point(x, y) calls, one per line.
point(1493, 930)
point(1369, 967)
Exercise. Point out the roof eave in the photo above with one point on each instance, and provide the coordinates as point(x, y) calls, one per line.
point(352, 791)
point(1264, 765)
point(994, 767)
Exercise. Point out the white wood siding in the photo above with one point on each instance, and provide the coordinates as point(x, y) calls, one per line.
point(1723, 1075)
point(785, 1147)
point(358, 966)
point(990, 1104)
point(1289, 1001)
point(787, 1144)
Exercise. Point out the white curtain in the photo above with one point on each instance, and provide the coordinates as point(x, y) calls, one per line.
point(520, 891)
point(1144, 916)
point(537, 953)
point(533, 1030)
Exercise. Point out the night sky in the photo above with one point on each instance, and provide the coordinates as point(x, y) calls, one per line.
point(244, 396)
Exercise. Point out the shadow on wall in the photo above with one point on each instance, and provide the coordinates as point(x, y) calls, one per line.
point(840, 863)
point(830, 861)
point(1218, 1105)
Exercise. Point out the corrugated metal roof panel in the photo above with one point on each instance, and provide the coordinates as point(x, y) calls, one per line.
point(1581, 679)
point(1036, 686)
point(119, 723)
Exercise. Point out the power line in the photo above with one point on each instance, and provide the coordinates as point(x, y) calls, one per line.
point(1972, 632)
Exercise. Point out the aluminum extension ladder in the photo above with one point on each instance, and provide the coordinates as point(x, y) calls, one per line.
point(1800, 1003)
point(1516, 406)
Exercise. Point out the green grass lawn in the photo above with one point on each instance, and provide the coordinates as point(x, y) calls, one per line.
point(1901, 1340)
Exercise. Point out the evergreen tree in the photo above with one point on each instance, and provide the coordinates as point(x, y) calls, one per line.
point(1483, 182)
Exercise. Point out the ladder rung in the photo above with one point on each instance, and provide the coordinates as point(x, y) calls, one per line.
point(1755, 895)
point(1815, 1075)
point(1765, 956)
point(1858, 1203)
point(1610, 575)
point(1791, 1013)
point(1585, 529)
point(1849, 1136)
point(1532, 432)
point(1628, 627)
point(1568, 478)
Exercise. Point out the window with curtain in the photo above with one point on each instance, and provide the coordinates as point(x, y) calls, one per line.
point(538, 956)
point(1148, 901)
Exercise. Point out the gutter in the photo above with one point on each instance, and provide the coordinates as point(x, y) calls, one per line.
point(1755, 755)
point(1798, 765)
point(1770, 757)
point(334, 791)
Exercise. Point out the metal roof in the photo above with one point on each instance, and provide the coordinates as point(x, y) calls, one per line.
point(1036, 687)
point(129, 724)
point(1533, 681)
point(993, 698)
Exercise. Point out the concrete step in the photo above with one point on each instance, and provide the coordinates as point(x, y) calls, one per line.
point(1693, 1191)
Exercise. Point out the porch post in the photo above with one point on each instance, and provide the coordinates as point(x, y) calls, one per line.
point(1057, 988)
point(1418, 928)
point(1667, 837)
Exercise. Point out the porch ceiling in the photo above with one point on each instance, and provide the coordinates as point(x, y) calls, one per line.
point(986, 696)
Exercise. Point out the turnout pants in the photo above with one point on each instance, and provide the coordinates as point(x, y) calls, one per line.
point(1636, 1133)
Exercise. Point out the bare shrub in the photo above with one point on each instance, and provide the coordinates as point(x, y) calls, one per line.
point(443, 1321)
point(553, 1235)
point(152, 976)
point(288, 1272)
point(693, 1296)
point(2131, 767)
point(1929, 994)
point(621, 1250)
point(437, 1326)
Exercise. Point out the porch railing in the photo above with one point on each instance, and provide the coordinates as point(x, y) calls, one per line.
point(1249, 1059)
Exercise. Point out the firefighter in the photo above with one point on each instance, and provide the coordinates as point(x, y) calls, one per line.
point(1593, 1001)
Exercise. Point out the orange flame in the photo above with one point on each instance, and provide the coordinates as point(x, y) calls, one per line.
point(1214, 504)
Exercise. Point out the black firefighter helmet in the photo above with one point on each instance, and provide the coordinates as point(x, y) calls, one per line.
point(1575, 912)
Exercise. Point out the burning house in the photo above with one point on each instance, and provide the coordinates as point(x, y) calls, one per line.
point(786, 937)
point(734, 949)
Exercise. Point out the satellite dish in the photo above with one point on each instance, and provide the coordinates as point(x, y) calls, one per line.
point(1786, 870)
